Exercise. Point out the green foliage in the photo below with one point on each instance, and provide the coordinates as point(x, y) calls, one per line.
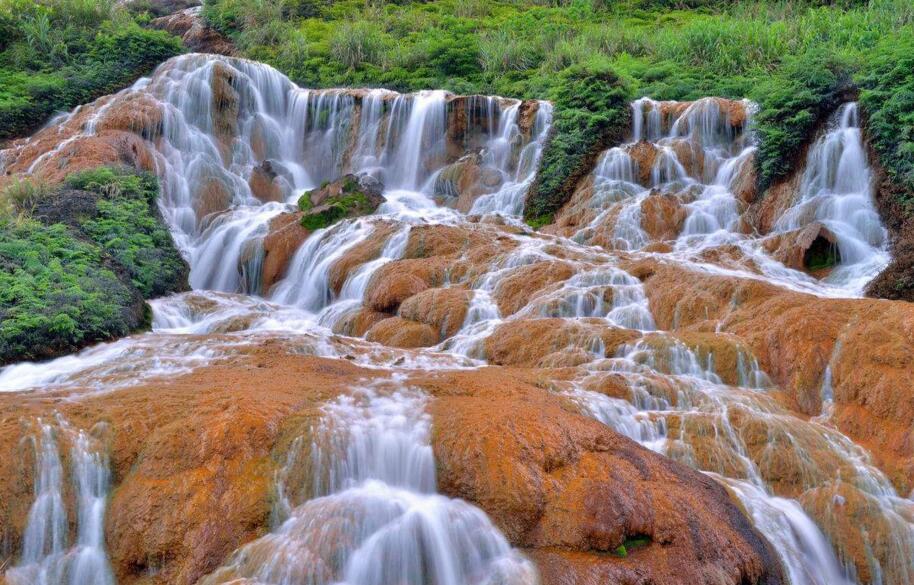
point(127, 228)
point(591, 109)
point(55, 292)
point(64, 284)
point(795, 101)
point(57, 54)
point(888, 99)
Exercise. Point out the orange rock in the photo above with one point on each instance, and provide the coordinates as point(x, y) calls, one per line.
point(443, 309)
point(662, 217)
point(264, 184)
point(358, 322)
point(365, 251)
point(284, 236)
point(798, 248)
point(515, 290)
point(560, 481)
point(511, 344)
point(213, 197)
point(395, 282)
point(403, 333)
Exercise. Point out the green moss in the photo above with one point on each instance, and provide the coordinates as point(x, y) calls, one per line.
point(591, 111)
point(81, 278)
point(351, 203)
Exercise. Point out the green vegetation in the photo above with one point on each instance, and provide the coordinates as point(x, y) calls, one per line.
point(888, 97)
point(57, 54)
point(76, 262)
point(795, 58)
point(591, 111)
point(127, 227)
point(350, 201)
point(56, 293)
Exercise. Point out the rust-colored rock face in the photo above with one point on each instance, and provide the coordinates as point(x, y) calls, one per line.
point(194, 32)
point(284, 237)
point(193, 471)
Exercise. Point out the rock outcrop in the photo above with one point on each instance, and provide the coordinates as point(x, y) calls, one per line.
point(192, 460)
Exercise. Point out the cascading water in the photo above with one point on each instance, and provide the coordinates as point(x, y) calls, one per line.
point(47, 558)
point(375, 518)
point(837, 191)
point(372, 515)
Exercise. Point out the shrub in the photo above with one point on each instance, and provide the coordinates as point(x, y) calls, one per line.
point(792, 104)
point(888, 99)
point(591, 110)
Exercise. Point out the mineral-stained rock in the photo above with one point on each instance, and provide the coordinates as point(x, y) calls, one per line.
point(393, 283)
point(443, 309)
point(398, 332)
point(515, 290)
point(510, 344)
point(265, 184)
point(557, 483)
point(283, 238)
point(811, 248)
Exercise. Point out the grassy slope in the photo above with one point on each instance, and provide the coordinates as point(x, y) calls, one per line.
point(57, 54)
point(76, 262)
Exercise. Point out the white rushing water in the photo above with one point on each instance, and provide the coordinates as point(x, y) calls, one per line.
point(371, 514)
point(373, 517)
point(48, 555)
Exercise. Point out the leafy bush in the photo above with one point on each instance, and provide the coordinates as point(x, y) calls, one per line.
point(793, 103)
point(56, 294)
point(591, 110)
point(888, 99)
point(78, 270)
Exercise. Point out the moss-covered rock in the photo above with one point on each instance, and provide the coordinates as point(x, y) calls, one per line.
point(76, 268)
point(350, 196)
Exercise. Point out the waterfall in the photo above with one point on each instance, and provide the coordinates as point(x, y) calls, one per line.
point(370, 513)
point(836, 191)
point(374, 517)
point(47, 558)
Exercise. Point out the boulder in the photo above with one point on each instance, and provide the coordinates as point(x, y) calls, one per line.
point(266, 185)
point(348, 197)
point(511, 343)
point(402, 333)
point(284, 236)
point(443, 309)
point(393, 283)
point(813, 249)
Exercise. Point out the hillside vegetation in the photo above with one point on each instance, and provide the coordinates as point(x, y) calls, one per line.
point(58, 54)
point(77, 262)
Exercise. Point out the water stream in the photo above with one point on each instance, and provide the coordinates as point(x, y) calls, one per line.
point(371, 514)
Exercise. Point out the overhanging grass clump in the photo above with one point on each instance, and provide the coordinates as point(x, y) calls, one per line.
point(77, 262)
point(591, 111)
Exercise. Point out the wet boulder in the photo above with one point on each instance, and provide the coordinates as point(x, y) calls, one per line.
point(813, 249)
point(461, 183)
point(347, 197)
